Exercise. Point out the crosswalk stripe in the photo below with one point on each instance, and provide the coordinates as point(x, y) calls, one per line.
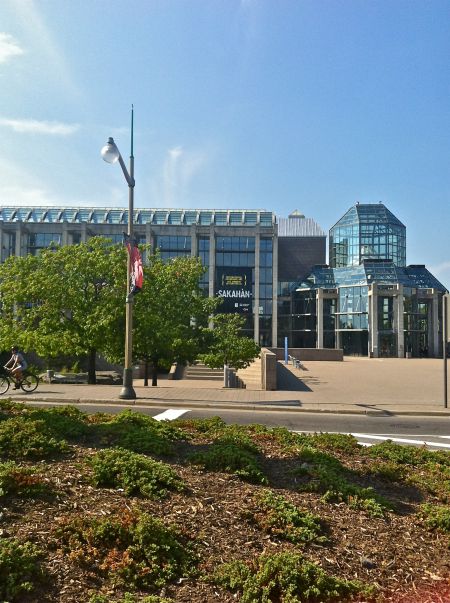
point(170, 414)
point(400, 440)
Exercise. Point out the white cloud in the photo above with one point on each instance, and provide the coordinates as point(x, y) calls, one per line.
point(8, 47)
point(33, 126)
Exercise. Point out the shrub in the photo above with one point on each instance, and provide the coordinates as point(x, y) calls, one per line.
point(62, 421)
point(20, 568)
point(278, 517)
point(284, 577)
point(134, 550)
point(230, 458)
point(437, 517)
point(21, 481)
point(134, 473)
point(21, 437)
point(327, 475)
point(130, 598)
point(137, 432)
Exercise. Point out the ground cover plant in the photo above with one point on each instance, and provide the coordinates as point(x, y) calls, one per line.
point(262, 515)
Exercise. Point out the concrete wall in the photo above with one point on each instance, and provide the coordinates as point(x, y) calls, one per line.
point(268, 370)
point(325, 354)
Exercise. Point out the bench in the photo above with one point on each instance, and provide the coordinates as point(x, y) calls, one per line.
point(295, 362)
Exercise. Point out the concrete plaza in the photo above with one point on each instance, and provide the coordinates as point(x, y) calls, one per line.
point(356, 385)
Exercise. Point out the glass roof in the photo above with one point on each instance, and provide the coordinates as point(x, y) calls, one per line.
point(141, 216)
point(371, 213)
point(383, 272)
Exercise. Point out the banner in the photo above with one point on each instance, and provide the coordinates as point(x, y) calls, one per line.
point(137, 271)
point(234, 286)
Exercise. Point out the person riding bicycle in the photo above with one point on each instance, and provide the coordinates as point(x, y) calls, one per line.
point(16, 365)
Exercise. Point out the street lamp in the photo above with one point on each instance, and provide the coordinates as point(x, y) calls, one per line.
point(111, 154)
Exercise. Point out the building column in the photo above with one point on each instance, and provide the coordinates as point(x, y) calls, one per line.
point(194, 241)
point(212, 261)
point(319, 318)
point(65, 234)
point(275, 291)
point(256, 300)
point(83, 232)
point(19, 235)
point(373, 320)
point(433, 326)
point(398, 321)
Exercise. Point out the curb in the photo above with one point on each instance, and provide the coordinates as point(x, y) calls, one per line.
point(199, 404)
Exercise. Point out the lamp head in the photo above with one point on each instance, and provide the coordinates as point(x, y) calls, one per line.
point(110, 152)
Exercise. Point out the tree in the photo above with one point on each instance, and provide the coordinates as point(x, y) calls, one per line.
point(170, 314)
point(228, 346)
point(66, 300)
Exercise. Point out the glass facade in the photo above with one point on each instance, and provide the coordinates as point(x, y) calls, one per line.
point(238, 252)
point(203, 254)
point(173, 246)
point(265, 291)
point(42, 240)
point(367, 232)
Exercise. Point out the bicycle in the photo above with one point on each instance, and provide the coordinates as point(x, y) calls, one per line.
point(28, 383)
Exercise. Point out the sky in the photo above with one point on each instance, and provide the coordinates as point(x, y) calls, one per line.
point(280, 105)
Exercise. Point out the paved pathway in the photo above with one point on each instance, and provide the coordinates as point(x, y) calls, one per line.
point(357, 385)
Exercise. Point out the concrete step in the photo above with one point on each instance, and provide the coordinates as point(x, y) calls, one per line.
point(204, 377)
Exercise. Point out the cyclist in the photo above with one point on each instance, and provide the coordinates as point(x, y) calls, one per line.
point(16, 365)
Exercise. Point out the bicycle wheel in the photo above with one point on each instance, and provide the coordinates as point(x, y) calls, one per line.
point(29, 383)
point(4, 385)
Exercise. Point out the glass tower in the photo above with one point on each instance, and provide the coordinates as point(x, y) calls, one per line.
point(367, 232)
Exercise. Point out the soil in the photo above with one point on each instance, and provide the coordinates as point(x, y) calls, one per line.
point(405, 560)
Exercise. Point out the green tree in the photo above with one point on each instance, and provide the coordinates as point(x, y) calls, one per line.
point(227, 346)
point(170, 314)
point(66, 300)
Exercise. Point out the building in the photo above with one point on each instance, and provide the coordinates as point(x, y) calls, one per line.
point(367, 301)
point(250, 255)
point(272, 270)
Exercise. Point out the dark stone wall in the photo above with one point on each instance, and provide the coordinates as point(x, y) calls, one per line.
point(297, 255)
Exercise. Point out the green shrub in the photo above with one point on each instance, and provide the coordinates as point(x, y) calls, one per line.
point(20, 569)
point(387, 470)
point(65, 422)
point(21, 481)
point(230, 458)
point(134, 473)
point(21, 437)
point(280, 518)
point(137, 432)
point(284, 577)
point(407, 455)
point(326, 474)
point(134, 550)
point(437, 517)
point(129, 598)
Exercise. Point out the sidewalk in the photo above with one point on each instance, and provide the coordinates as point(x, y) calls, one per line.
point(355, 386)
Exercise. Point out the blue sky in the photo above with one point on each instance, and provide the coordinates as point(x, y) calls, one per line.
point(272, 104)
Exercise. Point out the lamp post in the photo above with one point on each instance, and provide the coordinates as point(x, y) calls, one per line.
point(111, 154)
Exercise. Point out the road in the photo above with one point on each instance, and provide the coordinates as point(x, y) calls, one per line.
point(433, 431)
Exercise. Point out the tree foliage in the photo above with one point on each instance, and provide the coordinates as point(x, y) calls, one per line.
point(66, 300)
point(228, 346)
point(171, 313)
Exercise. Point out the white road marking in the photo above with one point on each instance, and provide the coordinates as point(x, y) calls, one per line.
point(400, 440)
point(171, 414)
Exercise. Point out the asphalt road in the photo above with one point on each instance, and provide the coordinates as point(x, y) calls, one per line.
point(434, 431)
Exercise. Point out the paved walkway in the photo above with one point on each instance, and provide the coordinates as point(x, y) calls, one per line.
point(357, 385)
